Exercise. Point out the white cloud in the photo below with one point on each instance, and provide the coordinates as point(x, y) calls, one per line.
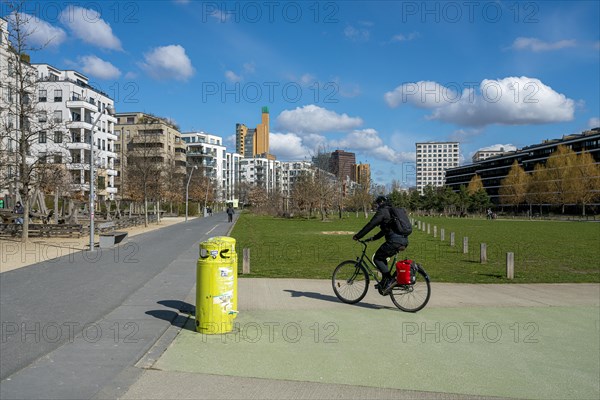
point(40, 33)
point(312, 119)
point(594, 122)
point(357, 34)
point(404, 38)
point(508, 101)
point(87, 25)
point(232, 76)
point(537, 45)
point(288, 146)
point(249, 67)
point(368, 142)
point(168, 62)
point(423, 94)
point(94, 66)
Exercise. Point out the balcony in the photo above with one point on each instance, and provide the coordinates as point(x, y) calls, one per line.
point(112, 172)
point(111, 190)
point(79, 104)
point(78, 146)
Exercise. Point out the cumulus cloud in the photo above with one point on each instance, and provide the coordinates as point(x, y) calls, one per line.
point(499, 147)
point(537, 45)
point(404, 38)
point(368, 142)
point(314, 119)
point(39, 32)
point(94, 66)
point(87, 25)
point(288, 146)
point(168, 62)
point(594, 122)
point(508, 101)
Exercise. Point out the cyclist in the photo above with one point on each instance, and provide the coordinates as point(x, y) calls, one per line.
point(393, 241)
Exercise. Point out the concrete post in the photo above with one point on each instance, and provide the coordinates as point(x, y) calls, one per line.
point(246, 262)
point(483, 253)
point(465, 245)
point(442, 234)
point(434, 231)
point(452, 239)
point(429, 229)
point(510, 265)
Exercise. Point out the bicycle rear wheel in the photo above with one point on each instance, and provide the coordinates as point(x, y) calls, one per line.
point(412, 298)
point(350, 282)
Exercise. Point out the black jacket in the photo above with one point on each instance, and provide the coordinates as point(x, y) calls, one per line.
point(382, 218)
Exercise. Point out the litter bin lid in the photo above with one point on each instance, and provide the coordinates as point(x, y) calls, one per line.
point(218, 246)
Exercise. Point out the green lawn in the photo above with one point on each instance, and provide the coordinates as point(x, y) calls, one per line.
point(545, 251)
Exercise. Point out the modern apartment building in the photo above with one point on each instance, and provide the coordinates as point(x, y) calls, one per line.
point(142, 135)
point(492, 171)
point(481, 155)
point(78, 118)
point(290, 172)
point(7, 120)
point(262, 172)
point(210, 155)
point(362, 174)
point(433, 160)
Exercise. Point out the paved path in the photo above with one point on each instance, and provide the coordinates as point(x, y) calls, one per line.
point(69, 326)
point(114, 329)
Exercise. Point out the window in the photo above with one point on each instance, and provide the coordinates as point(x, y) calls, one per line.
point(58, 137)
point(58, 116)
point(42, 137)
point(43, 117)
point(58, 95)
point(42, 96)
point(58, 159)
point(130, 120)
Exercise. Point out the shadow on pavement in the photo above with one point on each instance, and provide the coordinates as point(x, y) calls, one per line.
point(179, 318)
point(333, 299)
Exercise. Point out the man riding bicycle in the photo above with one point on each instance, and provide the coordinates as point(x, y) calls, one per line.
point(394, 242)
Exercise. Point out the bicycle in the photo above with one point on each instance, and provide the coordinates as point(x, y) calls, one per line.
point(351, 280)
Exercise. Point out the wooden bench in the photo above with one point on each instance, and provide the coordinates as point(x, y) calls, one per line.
point(48, 230)
point(108, 236)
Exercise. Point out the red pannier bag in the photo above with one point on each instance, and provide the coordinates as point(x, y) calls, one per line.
point(403, 272)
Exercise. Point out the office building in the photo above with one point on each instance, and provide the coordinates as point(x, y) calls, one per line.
point(341, 164)
point(254, 142)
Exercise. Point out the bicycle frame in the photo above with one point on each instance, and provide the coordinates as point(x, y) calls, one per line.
point(371, 268)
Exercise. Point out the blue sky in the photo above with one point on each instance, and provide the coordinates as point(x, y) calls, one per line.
point(373, 78)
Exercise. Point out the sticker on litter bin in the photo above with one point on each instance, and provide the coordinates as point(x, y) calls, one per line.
point(223, 299)
point(224, 272)
point(214, 253)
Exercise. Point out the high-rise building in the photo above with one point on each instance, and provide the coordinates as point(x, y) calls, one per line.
point(481, 155)
point(254, 142)
point(341, 164)
point(433, 159)
point(362, 174)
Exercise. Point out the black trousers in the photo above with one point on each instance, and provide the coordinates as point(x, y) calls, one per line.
point(385, 251)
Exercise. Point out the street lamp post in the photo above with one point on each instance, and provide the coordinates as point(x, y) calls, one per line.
point(187, 190)
point(111, 111)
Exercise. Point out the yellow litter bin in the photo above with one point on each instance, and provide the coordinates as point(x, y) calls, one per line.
point(216, 286)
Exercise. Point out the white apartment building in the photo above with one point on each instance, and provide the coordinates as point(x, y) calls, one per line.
point(481, 155)
point(81, 119)
point(261, 172)
point(433, 159)
point(210, 155)
point(290, 171)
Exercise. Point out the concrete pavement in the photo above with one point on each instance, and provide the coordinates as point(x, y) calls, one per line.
point(294, 339)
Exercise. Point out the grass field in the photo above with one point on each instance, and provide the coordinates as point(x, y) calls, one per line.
point(544, 251)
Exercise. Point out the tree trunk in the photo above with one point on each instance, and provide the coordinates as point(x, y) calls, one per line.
point(145, 211)
point(56, 205)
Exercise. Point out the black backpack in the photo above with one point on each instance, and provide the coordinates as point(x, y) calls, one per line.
point(400, 223)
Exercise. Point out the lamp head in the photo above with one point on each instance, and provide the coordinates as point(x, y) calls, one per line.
point(110, 109)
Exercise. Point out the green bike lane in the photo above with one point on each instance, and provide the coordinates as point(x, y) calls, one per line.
point(511, 341)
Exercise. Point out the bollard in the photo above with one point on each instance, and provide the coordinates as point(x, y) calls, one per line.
point(483, 253)
point(419, 225)
point(434, 231)
point(510, 265)
point(465, 245)
point(246, 262)
point(451, 239)
point(442, 234)
point(429, 229)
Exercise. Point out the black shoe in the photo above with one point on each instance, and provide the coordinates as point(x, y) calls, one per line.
point(389, 285)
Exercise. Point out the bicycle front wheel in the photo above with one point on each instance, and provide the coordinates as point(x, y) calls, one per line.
point(412, 298)
point(350, 282)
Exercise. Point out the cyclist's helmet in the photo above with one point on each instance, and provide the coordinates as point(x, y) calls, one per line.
point(381, 200)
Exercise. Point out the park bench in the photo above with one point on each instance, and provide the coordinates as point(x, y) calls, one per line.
point(48, 230)
point(108, 236)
